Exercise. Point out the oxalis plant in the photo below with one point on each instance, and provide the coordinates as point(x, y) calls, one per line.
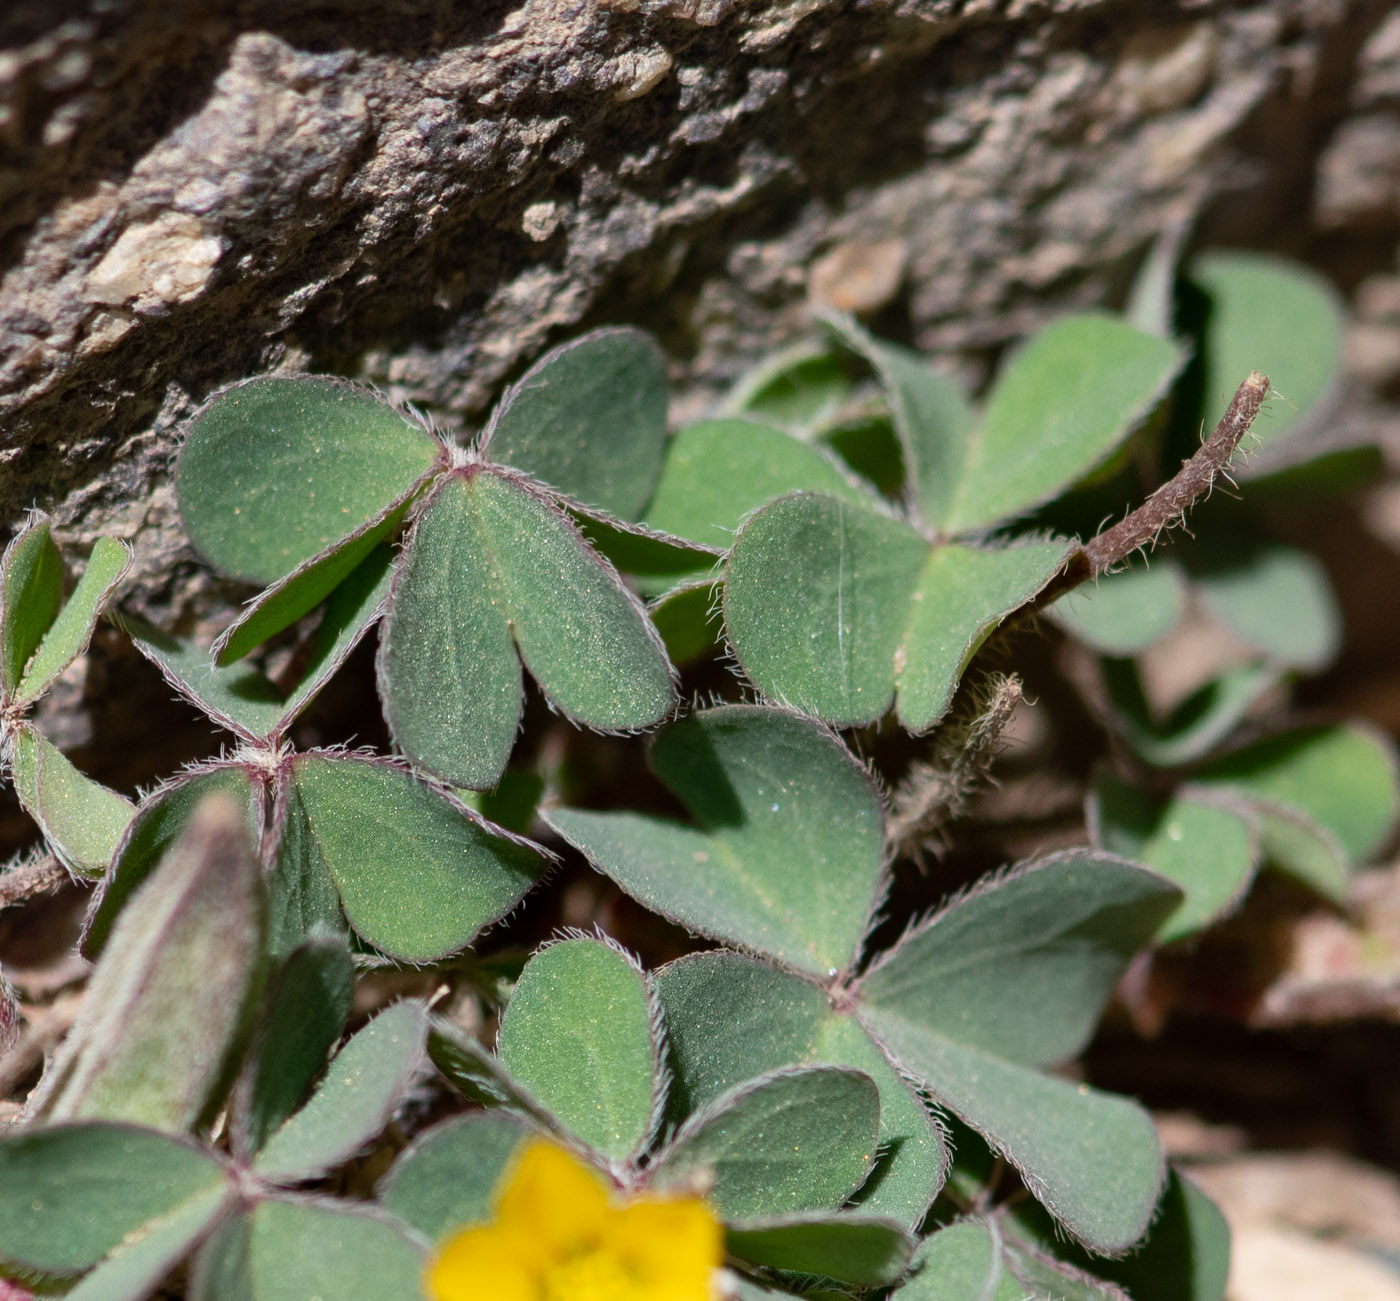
point(840, 1094)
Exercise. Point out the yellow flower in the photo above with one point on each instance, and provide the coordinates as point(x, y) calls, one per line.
point(559, 1236)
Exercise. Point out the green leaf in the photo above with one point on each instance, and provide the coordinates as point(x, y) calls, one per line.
point(717, 471)
point(582, 635)
point(276, 469)
point(289, 1249)
point(830, 607)
point(1187, 1254)
point(799, 389)
point(364, 1083)
point(788, 858)
point(448, 672)
point(1125, 612)
point(1195, 726)
point(588, 418)
point(31, 590)
point(867, 443)
point(302, 898)
point(352, 610)
point(1057, 410)
point(71, 1193)
point(730, 1018)
point(856, 1249)
point(1277, 599)
point(962, 595)
point(418, 875)
point(145, 1256)
point(479, 1075)
point(68, 635)
point(932, 418)
point(448, 1175)
point(305, 1014)
point(492, 560)
point(963, 1262)
point(792, 1140)
point(687, 620)
point(1023, 965)
point(1045, 1276)
point(160, 820)
point(166, 1005)
point(1091, 1158)
point(1209, 851)
point(1343, 778)
point(82, 821)
point(580, 1033)
point(657, 560)
point(1267, 313)
point(1151, 305)
point(1012, 976)
point(816, 602)
point(302, 590)
point(239, 697)
point(1294, 843)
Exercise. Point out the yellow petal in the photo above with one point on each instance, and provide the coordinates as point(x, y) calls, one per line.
point(482, 1262)
point(555, 1201)
point(672, 1248)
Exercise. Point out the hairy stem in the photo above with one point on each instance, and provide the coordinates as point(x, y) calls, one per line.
point(41, 874)
point(1167, 506)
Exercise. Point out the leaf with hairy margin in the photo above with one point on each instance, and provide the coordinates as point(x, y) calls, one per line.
point(588, 418)
point(70, 1193)
point(68, 635)
point(418, 874)
point(788, 858)
point(31, 590)
point(275, 470)
point(582, 1034)
point(82, 820)
point(1013, 976)
point(168, 1000)
point(797, 1139)
point(731, 1018)
point(365, 1081)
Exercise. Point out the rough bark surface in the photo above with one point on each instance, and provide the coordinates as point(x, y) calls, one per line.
point(425, 193)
